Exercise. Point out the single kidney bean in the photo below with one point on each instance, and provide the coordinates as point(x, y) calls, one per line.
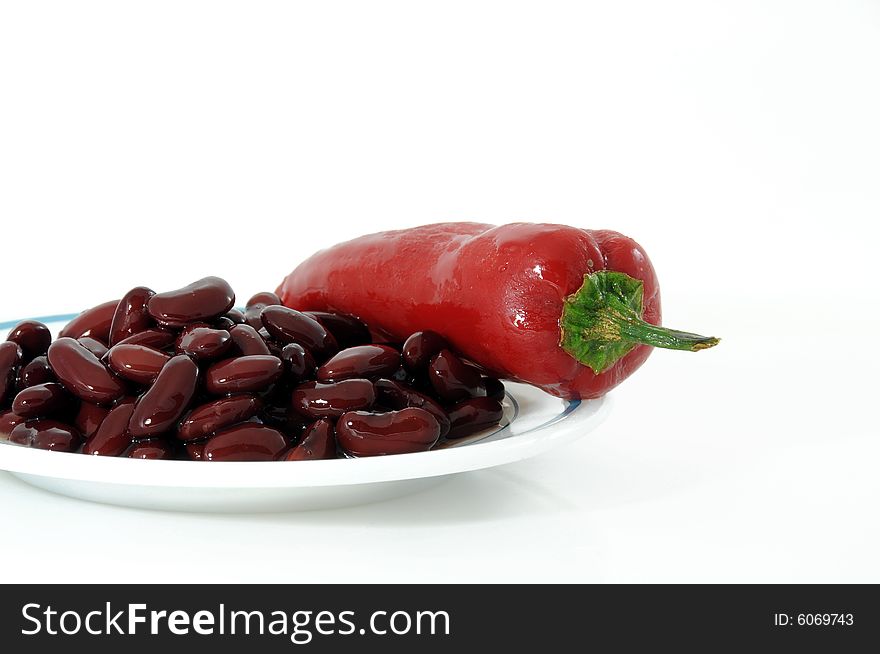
point(347, 330)
point(318, 442)
point(42, 400)
point(204, 343)
point(195, 450)
point(452, 379)
point(248, 341)
point(166, 400)
point(8, 420)
point(395, 395)
point(298, 361)
point(235, 316)
point(420, 348)
point(45, 434)
point(317, 400)
point(473, 415)
point(137, 363)
point(90, 417)
point(397, 432)
point(131, 315)
point(10, 358)
point(94, 322)
point(154, 448)
point(289, 325)
point(245, 442)
point(32, 336)
point(93, 345)
point(155, 337)
point(37, 371)
point(243, 374)
point(82, 373)
point(112, 437)
point(360, 361)
point(494, 388)
point(204, 299)
point(210, 417)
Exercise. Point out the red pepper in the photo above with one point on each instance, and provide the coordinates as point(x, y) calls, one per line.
point(569, 310)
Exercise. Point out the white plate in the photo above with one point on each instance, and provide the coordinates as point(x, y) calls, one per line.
point(534, 422)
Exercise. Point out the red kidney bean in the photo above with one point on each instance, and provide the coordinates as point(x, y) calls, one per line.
point(317, 400)
point(195, 450)
point(8, 420)
point(90, 417)
point(347, 330)
point(298, 361)
point(494, 388)
point(155, 337)
point(166, 400)
point(37, 371)
point(112, 437)
point(10, 358)
point(360, 361)
point(235, 316)
point(32, 336)
point(210, 417)
point(395, 395)
point(45, 434)
point(137, 363)
point(289, 325)
point(452, 379)
point(94, 322)
point(318, 442)
point(263, 299)
point(243, 374)
point(223, 323)
point(204, 299)
point(82, 373)
point(245, 442)
point(42, 400)
point(420, 348)
point(473, 415)
point(204, 343)
point(248, 341)
point(397, 432)
point(154, 448)
point(131, 315)
point(93, 345)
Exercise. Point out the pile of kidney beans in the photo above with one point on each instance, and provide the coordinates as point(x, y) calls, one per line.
point(184, 375)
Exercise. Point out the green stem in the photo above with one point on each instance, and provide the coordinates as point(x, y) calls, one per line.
point(602, 321)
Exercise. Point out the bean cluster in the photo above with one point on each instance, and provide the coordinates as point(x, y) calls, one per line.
point(184, 375)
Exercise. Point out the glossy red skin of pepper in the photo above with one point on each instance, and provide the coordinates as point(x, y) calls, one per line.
point(495, 292)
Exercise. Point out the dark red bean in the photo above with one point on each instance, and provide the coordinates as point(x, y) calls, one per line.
point(155, 337)
point(42, 400)
point(90, 417)
point(195, 450)
point(112, 437)
point(46, 434)
point(82, 373)
point(38, 371)
point(243, 374)
point(223, 323)
point(298, 361)
point(318, 442)
point(10, 358)
point(8, 421)
point(131, 315)
point(452, 379)
point(154, 448)
point(210, 417)
point(137, 363)
point(347, 330)
point(317, 400)
point(473, 415)
point(32, 336)
point(94, 322)
point(263, 299)
point(235, 316)
point(420, 348)
point(397, 432)
point(362, 362)
point(93, 345)
point(494, 388)
point(162, 405)
point(204, 343)
point(245, 442)
point(248, 341)
point(395, 395)
point(204, 299)
point(291, 326)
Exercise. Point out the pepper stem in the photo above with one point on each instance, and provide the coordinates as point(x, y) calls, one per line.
point(602, 321)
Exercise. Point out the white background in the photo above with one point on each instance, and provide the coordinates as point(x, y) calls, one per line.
point(155, 143)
